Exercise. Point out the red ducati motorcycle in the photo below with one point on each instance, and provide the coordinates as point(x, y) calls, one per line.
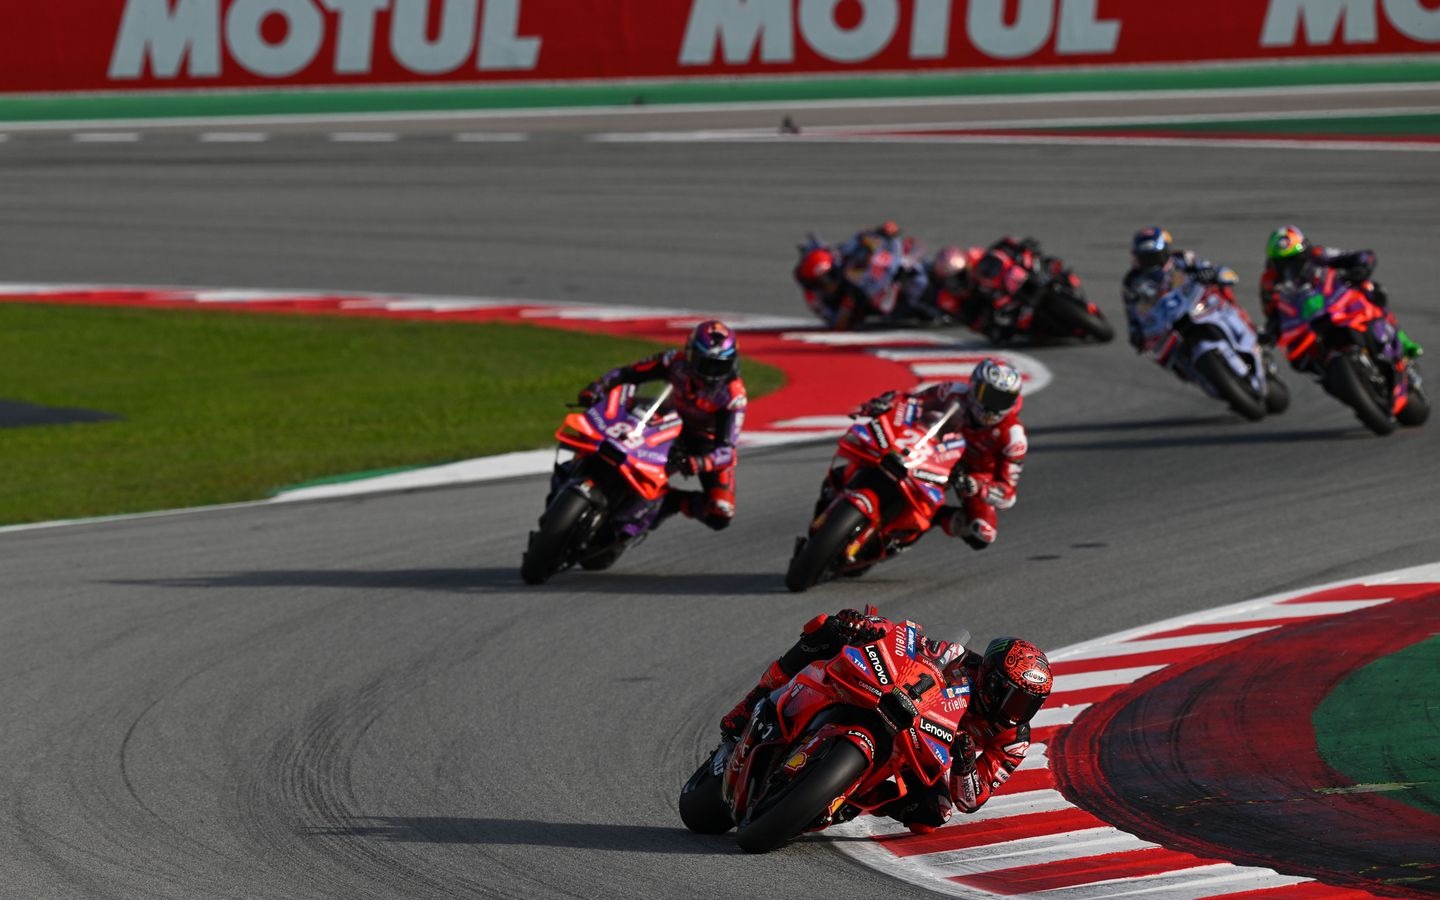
point(1037, 297)
point(895, 469)
point(834, 743)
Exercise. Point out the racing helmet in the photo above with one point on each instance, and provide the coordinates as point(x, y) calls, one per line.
point(951, 269)
point(818, 268)
point(1013, 681)
point(994, 391)
point(1287, 252)
point(1151, 247)
point(989, 273)
point(711, 352)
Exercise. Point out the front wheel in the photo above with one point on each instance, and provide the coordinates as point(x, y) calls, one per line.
point(1277, 396)
point(823, 548)
point(792, 807)
point(550, 543)
point(1215, 370)
point(1416, 409)
point(1358, 393)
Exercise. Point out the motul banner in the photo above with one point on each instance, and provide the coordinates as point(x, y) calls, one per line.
point(47, 45)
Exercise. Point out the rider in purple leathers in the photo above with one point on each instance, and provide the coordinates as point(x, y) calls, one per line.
point(832, 276)
point(710, 398)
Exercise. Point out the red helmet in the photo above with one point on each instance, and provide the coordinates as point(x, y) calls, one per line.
point(1013, 681)
point(817, 268)
point(989, 272)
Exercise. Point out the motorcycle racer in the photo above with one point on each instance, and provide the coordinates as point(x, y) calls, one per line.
point(1006, 686)
point(1008, 268)
point(1290, 259)
point(831, 276)
point(1157, 266)
point(985, 478)
point(710, 397)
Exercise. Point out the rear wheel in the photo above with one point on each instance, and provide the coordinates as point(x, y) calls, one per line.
point(791, 808)
point(1215, 370)
point(1069, 316)
point(551, 541)
point(702, 807)
point(1277, 396)
point(822, 550)
point(1359, 393)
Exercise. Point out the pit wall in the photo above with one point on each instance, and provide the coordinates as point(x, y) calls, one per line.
point(182, 45)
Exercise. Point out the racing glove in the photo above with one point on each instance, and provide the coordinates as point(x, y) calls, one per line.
point(591, 394)
point(851, 626)
point(684, 463)
point(965, 485)
point(878, 406)
point(964, 779)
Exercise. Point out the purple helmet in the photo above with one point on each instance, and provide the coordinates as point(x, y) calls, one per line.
point(710, 351)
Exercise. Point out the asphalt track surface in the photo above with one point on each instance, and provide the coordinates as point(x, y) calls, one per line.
point(358, 698)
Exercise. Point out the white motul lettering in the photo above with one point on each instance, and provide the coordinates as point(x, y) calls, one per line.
point(736, 27)
point(152, 30)
point(304, 32)
point(411, 43)
point(1082, 31)
point(355, 34)
point(878, 21)
point(501, 46)
point(930, 29)
point(1321, 20)
point(985, 23)
point(1412, 19)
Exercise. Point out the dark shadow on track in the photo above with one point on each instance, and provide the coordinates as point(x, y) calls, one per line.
point(451, 830)
point(486, 581)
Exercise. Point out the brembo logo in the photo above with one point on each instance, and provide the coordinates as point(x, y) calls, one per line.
point(280, 38)
point(878, 664)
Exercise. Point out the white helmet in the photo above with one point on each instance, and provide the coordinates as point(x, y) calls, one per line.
point(994, 390)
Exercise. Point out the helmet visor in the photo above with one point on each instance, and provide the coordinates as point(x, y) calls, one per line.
point(1015, 705)
point(1150, 259)
point(992, 401)
point(711, 368)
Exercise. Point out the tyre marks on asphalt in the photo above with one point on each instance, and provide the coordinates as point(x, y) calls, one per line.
point(1032, 839)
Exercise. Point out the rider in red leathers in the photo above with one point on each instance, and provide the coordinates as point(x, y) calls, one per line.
point(995, 447)
point(1007, 685)
point(830, 276)
point(710, 398)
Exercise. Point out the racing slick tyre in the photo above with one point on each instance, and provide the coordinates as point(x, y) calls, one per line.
point(787, 810)
point(1068, 316)
point(1215, 370)
point(702, 807)
point(1416, 409)
point(548, 545)
point(1356, 392)
point(599, 562)
point(822, 549)
point(1277, 396)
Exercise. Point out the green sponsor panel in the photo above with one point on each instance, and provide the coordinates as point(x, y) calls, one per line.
point(309, 102)
point(1381, 726)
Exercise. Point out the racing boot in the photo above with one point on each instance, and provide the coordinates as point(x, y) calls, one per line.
point(953, 521)
point(681, 501)
point(1412, 349)
point(733, 723)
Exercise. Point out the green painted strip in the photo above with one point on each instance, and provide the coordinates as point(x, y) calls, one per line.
point(735, 90)
point(1381, 726)
point(348, 477)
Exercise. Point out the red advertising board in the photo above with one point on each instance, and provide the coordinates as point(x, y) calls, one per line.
point(167, 44)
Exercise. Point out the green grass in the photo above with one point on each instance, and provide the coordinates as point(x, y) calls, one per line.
point(220, 407)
